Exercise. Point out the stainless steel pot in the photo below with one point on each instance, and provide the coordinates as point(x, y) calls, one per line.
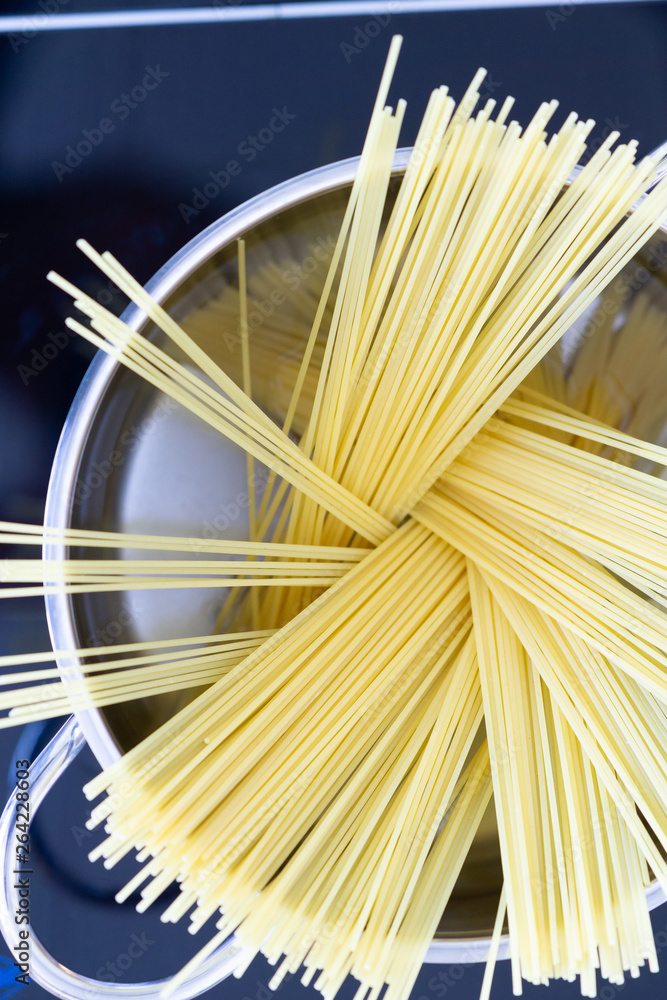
point(129, 460)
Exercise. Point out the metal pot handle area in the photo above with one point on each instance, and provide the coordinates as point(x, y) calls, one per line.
point(44, 969)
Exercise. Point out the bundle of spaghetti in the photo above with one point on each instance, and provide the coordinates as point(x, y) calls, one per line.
point(575, 876)
point(599, 506)
point(296, 795)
